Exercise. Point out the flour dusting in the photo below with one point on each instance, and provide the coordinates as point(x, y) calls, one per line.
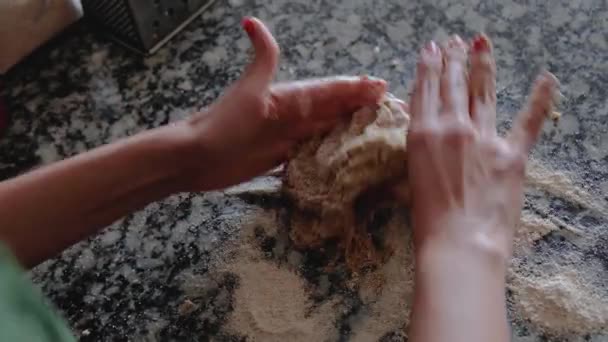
point(562, 303)
point(271, 304)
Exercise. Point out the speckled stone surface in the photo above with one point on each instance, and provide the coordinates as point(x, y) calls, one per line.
point(83, 91)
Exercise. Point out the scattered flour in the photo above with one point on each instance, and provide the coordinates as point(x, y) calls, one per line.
point(271, 304)
point(562, 303)
point(388, 291)
point(272, 301)
point(560, 185)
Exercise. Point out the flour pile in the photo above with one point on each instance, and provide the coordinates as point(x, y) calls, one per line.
point(271, 304)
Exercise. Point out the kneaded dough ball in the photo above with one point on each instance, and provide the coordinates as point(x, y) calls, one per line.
point(327, 174)
point(331, 171)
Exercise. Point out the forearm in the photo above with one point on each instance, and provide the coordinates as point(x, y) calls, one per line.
point(462, 291)
point(46, 210)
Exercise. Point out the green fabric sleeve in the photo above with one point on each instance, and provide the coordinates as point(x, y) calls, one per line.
point(24, 315)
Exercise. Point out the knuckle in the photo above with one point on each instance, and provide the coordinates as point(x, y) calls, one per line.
point(423, 68)
point(429, 64)
point(422, 133)
point(459, 133)
point(484, 63)
point(510, 164)
point(455, 53)
point(270, 107)
point(518, 163)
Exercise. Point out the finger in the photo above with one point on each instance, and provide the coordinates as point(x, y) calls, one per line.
point(264, 66)
point(402, 104)
point(529, 122)
point(425, 98)
point(326, 99)
point(454, 86)
point(482, 86)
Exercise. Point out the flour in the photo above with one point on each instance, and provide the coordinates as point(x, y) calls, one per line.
point(557, 296)
point(271, 304)
point(560, 185)
point(388, 291)
point(531, 228)
point(562, 303)
point(272, 301)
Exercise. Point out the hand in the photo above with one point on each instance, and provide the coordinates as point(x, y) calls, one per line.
point(467, 182)
point(251, 128)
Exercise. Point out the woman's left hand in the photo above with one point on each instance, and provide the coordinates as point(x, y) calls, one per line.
point(251, 128)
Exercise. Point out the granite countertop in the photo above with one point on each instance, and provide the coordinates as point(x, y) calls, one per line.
point(83, 91)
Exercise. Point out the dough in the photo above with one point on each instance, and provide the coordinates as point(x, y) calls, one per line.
point(328, 175)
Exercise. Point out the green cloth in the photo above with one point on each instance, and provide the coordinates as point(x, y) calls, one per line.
point(24, 315)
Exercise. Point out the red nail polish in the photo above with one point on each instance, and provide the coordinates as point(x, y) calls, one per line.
point(248, 26)
point(480, 44)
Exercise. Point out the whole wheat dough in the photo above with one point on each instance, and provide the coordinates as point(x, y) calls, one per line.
point(327, 175)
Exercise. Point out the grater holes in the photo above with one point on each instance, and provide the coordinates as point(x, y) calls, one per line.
point(114, 16)
point(140, 23)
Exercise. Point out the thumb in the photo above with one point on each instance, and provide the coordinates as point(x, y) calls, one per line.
point(529, 122)
point(264, 66)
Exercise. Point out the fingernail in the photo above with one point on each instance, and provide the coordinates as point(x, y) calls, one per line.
point(432, 47)
point(373, 79)
point(457, 41)
point(376, 86)
point(549, 76)
point(481, 44)
point(248, 26)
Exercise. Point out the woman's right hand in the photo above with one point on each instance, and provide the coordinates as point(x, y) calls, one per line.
point(466, 181)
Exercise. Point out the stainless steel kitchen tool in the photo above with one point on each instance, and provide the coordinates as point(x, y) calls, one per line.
point(143, 25)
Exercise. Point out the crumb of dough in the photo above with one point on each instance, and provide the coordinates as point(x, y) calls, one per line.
point(328, 174)
point(186, 307)
point(555, 116)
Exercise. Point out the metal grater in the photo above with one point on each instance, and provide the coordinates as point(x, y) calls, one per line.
point(143, 25)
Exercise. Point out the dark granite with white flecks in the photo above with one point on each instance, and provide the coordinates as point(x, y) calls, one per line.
point(83, 91)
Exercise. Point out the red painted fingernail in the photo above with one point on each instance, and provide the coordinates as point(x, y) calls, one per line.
point(249, 26)
point(480, 44)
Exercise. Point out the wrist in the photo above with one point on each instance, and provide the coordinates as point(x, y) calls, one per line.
point(173, 151)
point(457, 231)
point(476, 250)
point(450, 277)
